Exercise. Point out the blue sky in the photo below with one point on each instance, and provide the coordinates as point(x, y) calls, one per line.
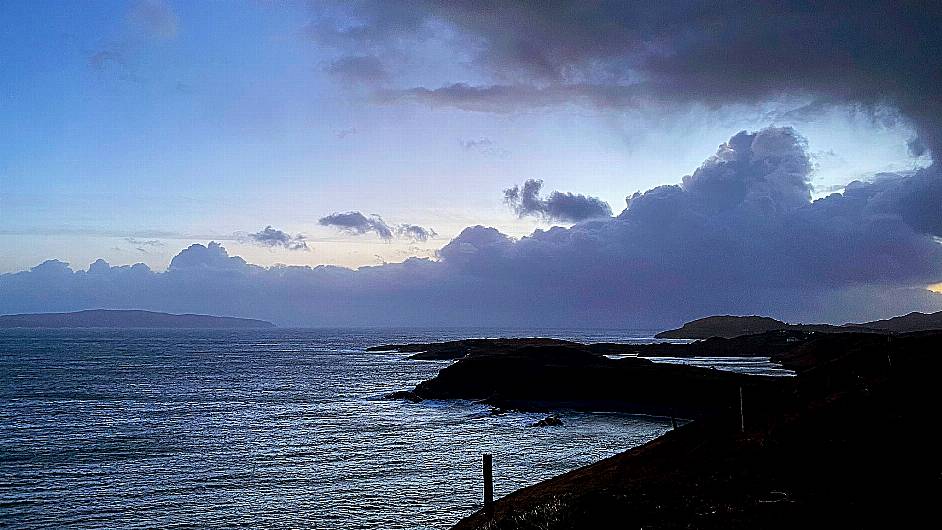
point(174, 123)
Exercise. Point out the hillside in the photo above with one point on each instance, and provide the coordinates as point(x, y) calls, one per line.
point(914, 321)
point(729, 326)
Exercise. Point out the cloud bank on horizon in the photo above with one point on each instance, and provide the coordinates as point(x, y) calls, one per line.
point(738, 235)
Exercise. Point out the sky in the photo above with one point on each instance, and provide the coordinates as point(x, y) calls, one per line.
point(357, 134)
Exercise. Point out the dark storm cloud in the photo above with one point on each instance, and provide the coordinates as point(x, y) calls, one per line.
point(871, 54)
point(357, 223)
point(738, 235)
point(568, 207)
point(271, 237)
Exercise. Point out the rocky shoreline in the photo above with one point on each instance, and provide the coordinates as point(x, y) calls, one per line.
point(845, 443)
point(769, 344)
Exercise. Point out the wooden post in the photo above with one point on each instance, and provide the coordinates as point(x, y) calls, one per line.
point(742, 413)
point(488, 481)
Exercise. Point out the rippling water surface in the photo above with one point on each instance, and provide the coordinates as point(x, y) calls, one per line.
point(269, 428)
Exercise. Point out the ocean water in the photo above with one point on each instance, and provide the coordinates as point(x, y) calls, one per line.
point(746, 365)
point(280, 428)
point(262, 428)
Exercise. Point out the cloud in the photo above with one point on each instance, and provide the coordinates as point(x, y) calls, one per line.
point(364, 69)
point(155, 18)
point(114, 62)
point(343, 133)
point(484, 146)
point(101, 60)
point(771, 168)
point(147, 20)
point(738, 235)
point(415, 232)
point(516, 97)
point(357, 223)
point(144, 242)
point(618, 54)
point(566, 207)
point(210, 257)
point(271, 237)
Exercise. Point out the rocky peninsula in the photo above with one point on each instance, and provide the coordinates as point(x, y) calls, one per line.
point(847, 442)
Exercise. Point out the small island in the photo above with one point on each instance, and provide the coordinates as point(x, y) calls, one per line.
point(110, 318)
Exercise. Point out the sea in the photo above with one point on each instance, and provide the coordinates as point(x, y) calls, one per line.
point(280, 428)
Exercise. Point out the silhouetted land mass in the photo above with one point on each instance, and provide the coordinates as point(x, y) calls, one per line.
point(734, 326)
point(849, 442)
point(914, 321)
point(539, 377)
point(760, 345)
point(455, 349)
point(106, 318)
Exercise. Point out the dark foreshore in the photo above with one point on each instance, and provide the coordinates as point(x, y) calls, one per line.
point(848, 442)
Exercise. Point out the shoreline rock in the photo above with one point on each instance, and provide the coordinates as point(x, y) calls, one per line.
point(540, 378)
point(406, 395)
point(550, 421)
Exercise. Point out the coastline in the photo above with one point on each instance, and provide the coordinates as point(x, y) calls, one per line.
point(814, 457)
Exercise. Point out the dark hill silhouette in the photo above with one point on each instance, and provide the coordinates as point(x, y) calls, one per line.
point(108, 318)
point(730, 326)
point(733, 326)
point(914, 321)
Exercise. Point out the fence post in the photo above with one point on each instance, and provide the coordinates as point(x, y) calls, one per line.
point(488, 481)
point(742, 413)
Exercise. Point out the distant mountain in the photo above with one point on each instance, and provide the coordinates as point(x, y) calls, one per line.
point(914, 321)
point(729, 326)
point(107, 318)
